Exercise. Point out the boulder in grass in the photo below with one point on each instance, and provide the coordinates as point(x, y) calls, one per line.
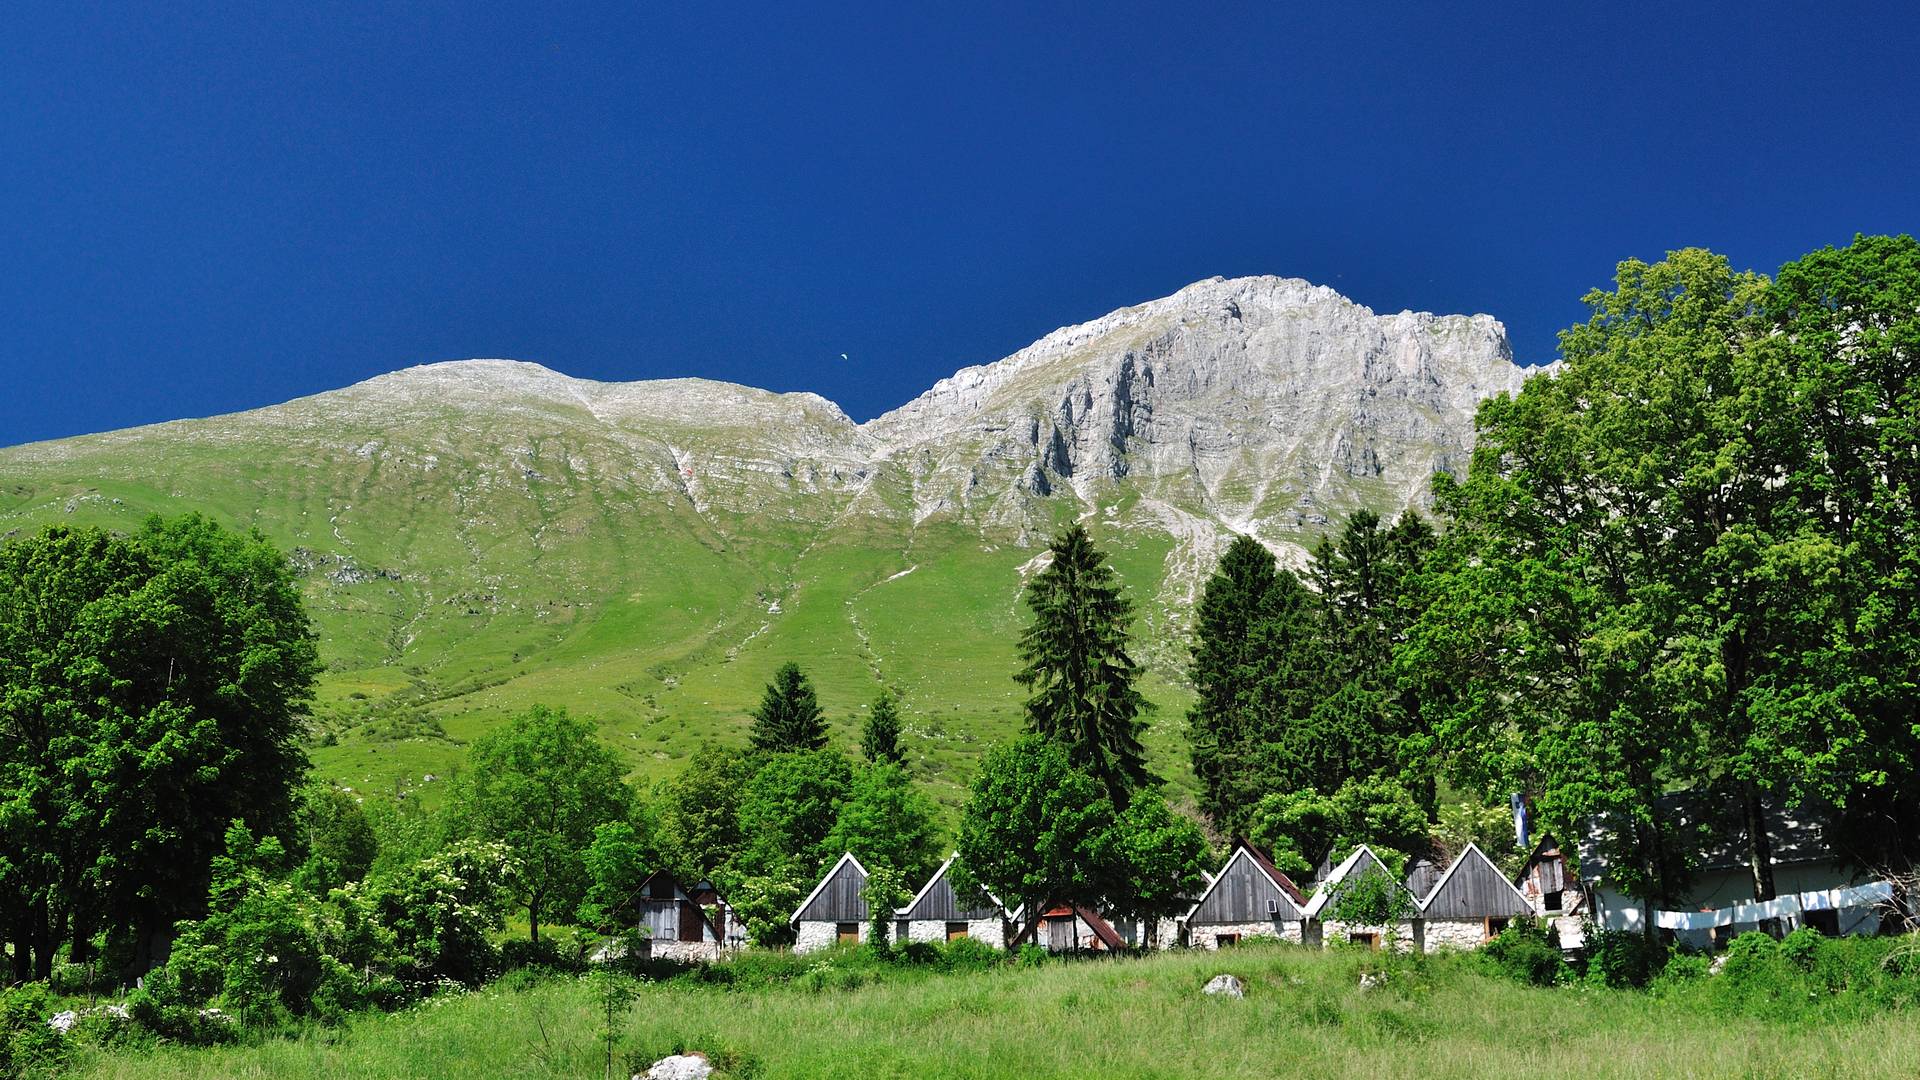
point(688, 1066)
point(1225, 986)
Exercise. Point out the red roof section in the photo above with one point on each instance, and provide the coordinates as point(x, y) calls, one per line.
point(1274, 872)
point(1101, 930)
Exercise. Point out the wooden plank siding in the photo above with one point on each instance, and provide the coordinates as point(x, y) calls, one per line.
point(839, 898)
point(1474, 888)
point(1241, 893)
point(670, 914)
point(1355, 867)
point(1422, 876)
point(937, 903)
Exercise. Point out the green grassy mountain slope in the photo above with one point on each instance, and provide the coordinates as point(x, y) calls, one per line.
point(481, 535)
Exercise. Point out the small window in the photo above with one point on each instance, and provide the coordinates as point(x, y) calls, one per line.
point(1221, 941)
point(1826, 922)
point(1551, 902)
point(1495, 926)
point(1371, 941)
point(956, 931)
point(847, 933)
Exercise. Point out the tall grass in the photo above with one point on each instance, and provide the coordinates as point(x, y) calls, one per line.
point(1304, 1015)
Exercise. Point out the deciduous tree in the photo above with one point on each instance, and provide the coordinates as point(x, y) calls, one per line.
point(152, 690)
point(887, 821)
point(543, 784)
point(1033, 830)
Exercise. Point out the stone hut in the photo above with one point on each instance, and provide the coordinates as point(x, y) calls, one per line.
point(1319, 927)
point(1470, 903)
point(1554, 891)
point(678, 927)
point(1249, 898)
point(835, 912)
point(936, 913)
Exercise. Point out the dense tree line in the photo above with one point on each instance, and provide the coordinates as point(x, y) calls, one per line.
point(1687, 559)
point(1302, 737)
point(1684, 560)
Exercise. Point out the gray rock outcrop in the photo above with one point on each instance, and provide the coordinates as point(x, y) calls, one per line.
point(1225, 986)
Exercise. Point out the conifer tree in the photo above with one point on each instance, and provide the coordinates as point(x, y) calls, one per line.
point(1075, 665)
point(880, 741)
point(789, 716)
point(1226, 668)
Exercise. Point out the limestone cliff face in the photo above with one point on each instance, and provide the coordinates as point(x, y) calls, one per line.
point(1262, 404)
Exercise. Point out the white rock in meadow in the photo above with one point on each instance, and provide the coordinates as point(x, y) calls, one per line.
point(1225, 985)
point(692, 1066)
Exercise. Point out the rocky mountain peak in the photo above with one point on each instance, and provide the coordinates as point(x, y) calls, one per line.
point(1263, 404)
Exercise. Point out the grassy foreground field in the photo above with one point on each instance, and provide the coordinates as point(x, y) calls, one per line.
point(1304, 1015)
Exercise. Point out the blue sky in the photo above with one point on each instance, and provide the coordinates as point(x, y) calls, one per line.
point(205, 210)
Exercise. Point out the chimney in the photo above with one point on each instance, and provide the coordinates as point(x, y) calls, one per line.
point(1520, 822)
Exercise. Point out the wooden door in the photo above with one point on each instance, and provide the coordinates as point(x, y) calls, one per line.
point(1060, 936)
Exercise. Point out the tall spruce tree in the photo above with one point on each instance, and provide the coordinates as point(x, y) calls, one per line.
point(1226, 668)
point(1262, 666)
point(1370, 580)
point(789, 716)
point(1075, 665)
point(880, 740)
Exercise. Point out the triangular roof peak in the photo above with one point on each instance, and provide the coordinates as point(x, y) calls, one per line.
point(1473, 856)
point(1324, 893)
point(935, 880)
point(1274, 875)
point(927, 888)
point(824, 879)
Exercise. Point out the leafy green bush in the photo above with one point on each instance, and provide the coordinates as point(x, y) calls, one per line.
point(158, 1010)
point(1683, 967)
point(28, 1047)
point(918, 952)
point(1527, 953)
point(1802, 949)
point(1622, 959)
point(966, 954)
point(547, 954)
point(443, 911)
point(1804, 978)
point(256, 951)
